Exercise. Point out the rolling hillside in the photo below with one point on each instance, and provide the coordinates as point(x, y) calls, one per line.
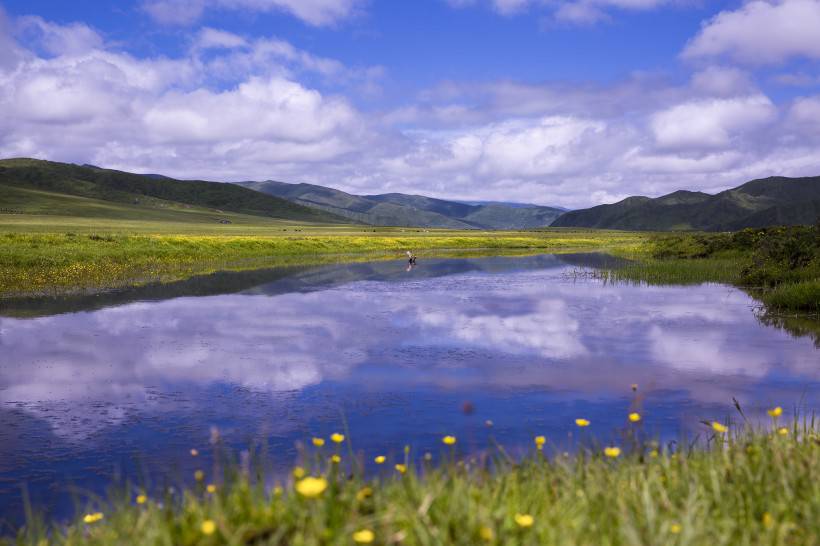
point(29, 186)
point(759, 203)
point(396, 209)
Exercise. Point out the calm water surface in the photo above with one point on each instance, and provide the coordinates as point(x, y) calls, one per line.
point(118, 386)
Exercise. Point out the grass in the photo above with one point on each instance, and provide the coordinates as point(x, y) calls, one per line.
point(749, 486)
point(38, 263)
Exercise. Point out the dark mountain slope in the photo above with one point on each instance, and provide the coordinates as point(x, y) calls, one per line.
point(759, 203)
point(128, 188)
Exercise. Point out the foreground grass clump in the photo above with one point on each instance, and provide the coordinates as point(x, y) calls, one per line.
point(740, 487)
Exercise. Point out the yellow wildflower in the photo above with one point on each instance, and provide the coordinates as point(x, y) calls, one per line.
point(277, 491)
point(783, 431)
point(612, 451)
point(719, 427)
point(364, 493)
point(379, 459)
point(653, 453)
point(582, 423)
point(318, 442)
point(675, 528)
point(775, 412)
point(199, 475)
point(540, 441)
point(311, 487)
point(208, 527)
point(298, 472)
point(449, 440)
point(401, 468)
point(768, 520)
point(524, 520)
point(142, 499)
point(486, 533)
point(211, 488)
point(634, 417)
point(93, 517)
point(337, 438)
point(335, 459)
point(365, 536)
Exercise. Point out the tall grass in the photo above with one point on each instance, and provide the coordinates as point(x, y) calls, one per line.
point(746, 486)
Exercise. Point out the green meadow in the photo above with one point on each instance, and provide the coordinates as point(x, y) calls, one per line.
point(739, 485)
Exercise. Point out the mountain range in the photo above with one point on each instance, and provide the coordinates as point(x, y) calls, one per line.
point(769, 201)
point(30, 186)
point(398, 209)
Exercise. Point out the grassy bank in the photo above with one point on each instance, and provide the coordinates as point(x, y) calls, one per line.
point(33, 263)
point(780, 266)
point(743, 486)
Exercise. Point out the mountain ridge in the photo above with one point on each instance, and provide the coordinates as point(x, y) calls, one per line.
point(775, 200)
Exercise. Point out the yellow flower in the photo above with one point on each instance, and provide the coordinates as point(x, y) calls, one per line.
point(142, 499)
point(719, 428)
point(449, 440)
point(194, 452)
point(335, 459)
point(653, 453)
point(768, 520)
point(364, 493)
point(401, 468)
point(675, 528)
point(486, 533)
point(311, 487)
point(775, 412)
point(582, 423)
point(211, 488)
point(199, 475)
point(93, 518)
point(337, 438)
point(379, 459)
point(524, 520)
point(612, 451)
point(783, 431)
point(540, 441)
point(318, 442)
point(277, 491)
point(365, 536)
point(634, 417)
point(208, 527)
point(298, 472)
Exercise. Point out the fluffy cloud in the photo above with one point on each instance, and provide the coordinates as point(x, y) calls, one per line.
point(313, 12)
point(574, 11)
point(711, 123)
point(761, 32)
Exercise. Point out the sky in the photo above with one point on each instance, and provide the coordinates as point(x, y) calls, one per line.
point(570, 103)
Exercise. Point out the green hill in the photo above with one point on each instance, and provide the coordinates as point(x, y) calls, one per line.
point(759, 203)
point(397, 209)
point(32, 186)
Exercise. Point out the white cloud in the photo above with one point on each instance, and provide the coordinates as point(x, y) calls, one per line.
point(761, 32)
point(312, 12)
point(212, 38)
point(711, 123)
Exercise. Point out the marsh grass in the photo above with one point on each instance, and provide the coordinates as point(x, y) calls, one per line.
point(32, 263)
point(752, 485)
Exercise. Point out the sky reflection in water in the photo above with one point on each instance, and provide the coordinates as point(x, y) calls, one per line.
point(130, 389)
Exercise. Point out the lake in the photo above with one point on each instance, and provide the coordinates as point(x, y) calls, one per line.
point(99, 389)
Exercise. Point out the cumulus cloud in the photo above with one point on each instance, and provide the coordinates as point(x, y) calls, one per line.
point(761, 32)
point(582, 12)
point(312, 12)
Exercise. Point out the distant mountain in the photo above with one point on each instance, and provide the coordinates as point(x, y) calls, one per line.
point(770, 201)
point(39, 185)
point(398, 209)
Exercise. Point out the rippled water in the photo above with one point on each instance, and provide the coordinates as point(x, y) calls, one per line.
point(93, 389)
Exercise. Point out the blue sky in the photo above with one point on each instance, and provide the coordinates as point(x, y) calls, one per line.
point(572, 103)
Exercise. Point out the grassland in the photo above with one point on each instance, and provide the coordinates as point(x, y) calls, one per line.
point(747, 486)
point(56, 254)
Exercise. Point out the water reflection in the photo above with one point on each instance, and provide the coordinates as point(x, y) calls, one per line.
point(133, 387)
